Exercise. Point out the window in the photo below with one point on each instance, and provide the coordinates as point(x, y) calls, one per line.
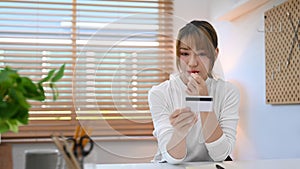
point(114, 51)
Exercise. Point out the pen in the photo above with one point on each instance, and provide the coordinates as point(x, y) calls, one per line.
point(219, 167)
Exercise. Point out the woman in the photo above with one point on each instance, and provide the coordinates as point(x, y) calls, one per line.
point(183, 135)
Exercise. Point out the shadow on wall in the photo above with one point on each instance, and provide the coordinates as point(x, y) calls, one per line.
point(244, 148)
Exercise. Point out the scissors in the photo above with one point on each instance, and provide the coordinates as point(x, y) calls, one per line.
point(81, 147)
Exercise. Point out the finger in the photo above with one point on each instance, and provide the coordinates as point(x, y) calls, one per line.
point(192, 85)
point(191, 81)
point(198, 78)
point(192, 90)
point(179, 111)
point(190, 122)
point(185, 126)
point(177, 120)
point(184, 118)
point(189, 92)
point(180, 118)
point(175, 113)
point(195, 118)
point(197, 85)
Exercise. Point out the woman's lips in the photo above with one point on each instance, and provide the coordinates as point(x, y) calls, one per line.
point(193, 71)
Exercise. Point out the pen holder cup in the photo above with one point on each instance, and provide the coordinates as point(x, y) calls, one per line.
point(43, 158)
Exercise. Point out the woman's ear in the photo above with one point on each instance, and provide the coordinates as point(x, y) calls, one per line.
point(217, 52)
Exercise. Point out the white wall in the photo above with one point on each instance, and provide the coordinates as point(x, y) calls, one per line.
point(265, 131)
point(188, 10)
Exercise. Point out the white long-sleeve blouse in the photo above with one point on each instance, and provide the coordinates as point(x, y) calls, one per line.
point(168, 96)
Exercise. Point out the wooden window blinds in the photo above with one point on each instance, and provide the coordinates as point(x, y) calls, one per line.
point(114, 51)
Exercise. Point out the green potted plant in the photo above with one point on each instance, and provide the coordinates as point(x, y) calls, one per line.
point(16, 90)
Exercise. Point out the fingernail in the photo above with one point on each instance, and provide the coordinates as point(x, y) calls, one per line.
point(194, 75)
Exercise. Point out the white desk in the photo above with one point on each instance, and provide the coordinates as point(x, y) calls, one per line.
point(257, 164)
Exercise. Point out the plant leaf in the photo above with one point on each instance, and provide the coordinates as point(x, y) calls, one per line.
point(13, 125)
point(7, 79)
point(22, 116)
point(18, 97)
point(48, 77)
point(30, 90)
point(42, 92)
point(4, 127)
point(6, 107)
point(54, 91)
point(59, 74)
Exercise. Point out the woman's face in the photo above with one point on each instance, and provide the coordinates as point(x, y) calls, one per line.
point(192, 61)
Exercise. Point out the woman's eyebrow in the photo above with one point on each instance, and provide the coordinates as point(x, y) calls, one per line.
point(200, 51)
point(184, 48)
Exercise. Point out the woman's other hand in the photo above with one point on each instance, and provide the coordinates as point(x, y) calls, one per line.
point(196, 86)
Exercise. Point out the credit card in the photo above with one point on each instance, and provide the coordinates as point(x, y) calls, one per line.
point(199, 103)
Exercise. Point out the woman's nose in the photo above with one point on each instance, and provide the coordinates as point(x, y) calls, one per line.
point(193, 62)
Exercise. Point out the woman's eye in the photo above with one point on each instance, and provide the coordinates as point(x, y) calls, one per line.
point(184, 54)
point(202, 54)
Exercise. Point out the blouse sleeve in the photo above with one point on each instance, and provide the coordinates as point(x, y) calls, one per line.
point(228, 119)
point(163, 130)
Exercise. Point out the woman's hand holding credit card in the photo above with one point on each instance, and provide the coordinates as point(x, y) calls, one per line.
point(183, 120)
